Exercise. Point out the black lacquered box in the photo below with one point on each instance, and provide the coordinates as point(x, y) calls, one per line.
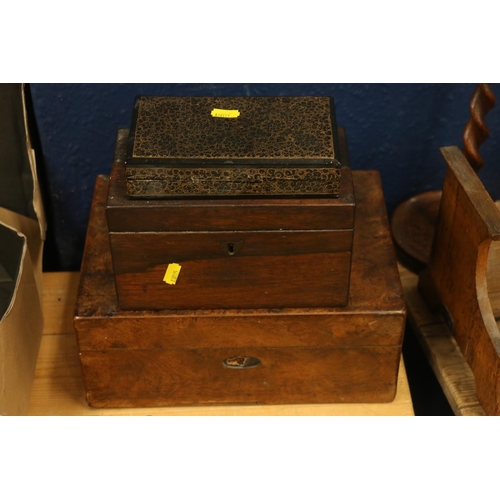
point(233, 146)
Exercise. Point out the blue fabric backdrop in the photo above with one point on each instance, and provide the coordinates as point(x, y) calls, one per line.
point(394, 128)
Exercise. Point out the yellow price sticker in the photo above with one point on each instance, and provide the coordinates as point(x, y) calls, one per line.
point(225, 113)
point(172, 273)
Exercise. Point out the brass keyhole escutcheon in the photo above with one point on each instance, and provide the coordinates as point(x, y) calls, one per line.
point(241, 362)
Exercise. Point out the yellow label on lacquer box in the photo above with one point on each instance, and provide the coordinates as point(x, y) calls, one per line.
point(225, 113)
point(172, 273)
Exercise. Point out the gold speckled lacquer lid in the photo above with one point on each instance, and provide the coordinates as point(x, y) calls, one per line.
point(233, 130)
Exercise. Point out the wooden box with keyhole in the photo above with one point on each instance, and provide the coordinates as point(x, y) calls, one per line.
point(248, 355)
point(233, 253)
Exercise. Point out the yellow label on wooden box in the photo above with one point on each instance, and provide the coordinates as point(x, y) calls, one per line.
point(172, 273)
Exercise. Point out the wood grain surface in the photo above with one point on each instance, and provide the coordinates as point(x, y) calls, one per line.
point(225, 214)
point(58, 386)
point(266, 269)
point(455, 279)
point(441, 349)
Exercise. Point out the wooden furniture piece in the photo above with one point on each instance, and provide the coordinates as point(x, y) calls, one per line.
point(58, 385)
point(462, 273)
point(414, 221)
point(233, 253)
point(321, 355)
point(441, 350)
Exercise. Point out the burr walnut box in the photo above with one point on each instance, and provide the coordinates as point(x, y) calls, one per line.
point(226, 354)
point(232, 146)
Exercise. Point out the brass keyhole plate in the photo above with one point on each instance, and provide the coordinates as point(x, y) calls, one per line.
point(241, 362)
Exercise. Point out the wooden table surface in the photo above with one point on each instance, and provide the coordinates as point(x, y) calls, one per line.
point(58, 386)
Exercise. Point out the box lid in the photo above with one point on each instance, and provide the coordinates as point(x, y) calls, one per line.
point(221, 213)
point(233, 130)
